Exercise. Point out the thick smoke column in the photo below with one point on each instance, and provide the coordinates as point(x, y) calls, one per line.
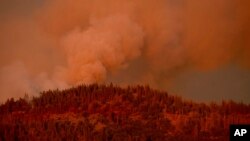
point(61, 43)
point(107, 45)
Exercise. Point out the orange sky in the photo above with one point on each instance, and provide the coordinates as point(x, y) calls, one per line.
point(194, 48)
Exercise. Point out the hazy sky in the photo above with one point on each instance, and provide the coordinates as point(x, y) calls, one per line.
point(197, 49)
point(228, 82)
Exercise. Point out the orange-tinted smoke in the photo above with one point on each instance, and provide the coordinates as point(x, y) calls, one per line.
point(89, 41)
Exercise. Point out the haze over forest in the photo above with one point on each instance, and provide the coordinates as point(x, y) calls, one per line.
point(196, 49)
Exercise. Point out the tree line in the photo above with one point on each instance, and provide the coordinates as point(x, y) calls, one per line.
point(112, 113)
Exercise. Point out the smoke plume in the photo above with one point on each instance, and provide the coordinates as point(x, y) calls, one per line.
point(62, 43)
point(107, 45)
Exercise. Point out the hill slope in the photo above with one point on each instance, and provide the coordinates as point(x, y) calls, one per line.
point(110, 113)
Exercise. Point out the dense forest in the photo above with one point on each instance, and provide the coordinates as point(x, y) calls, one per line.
point(111, 113)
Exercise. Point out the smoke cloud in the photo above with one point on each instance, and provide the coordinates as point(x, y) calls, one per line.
point(107, 45)
point(62, 43)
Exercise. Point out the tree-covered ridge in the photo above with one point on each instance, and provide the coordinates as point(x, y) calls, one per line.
point(111, 113)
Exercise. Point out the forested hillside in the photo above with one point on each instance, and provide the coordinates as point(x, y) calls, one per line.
point(111, 113)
